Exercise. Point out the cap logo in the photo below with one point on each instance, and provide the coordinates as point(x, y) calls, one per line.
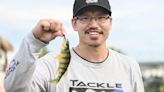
point(91, 1)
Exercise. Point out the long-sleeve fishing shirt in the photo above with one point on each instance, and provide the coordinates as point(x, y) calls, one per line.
point(28, 73)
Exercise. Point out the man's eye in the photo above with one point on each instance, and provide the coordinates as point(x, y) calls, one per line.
point(84, 18)
point(101, 17)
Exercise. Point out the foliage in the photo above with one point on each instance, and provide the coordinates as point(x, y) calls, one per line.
point(5, 47)
point(161, 88)
point(116, 49)
point(154, 84)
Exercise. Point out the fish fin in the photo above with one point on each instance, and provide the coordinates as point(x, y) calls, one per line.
point(55, 81)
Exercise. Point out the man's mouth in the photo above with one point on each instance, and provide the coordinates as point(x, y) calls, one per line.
point(94, 32)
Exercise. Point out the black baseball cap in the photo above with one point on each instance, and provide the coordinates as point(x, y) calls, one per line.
point(81, 4)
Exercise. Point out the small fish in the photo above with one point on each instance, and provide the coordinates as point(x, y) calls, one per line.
point(64, 59)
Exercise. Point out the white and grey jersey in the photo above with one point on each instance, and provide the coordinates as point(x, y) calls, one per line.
point(27, 73)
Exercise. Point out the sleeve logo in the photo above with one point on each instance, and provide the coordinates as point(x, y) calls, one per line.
point(14, 63)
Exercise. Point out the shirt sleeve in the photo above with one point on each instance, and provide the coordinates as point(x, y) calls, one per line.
point(21, 69)
point(137, 79)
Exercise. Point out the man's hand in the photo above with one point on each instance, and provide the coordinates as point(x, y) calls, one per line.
point(48, 29)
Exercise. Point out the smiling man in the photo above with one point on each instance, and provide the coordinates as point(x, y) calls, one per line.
point(92, 66)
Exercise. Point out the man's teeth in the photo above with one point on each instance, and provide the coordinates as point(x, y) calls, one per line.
point(93, 33)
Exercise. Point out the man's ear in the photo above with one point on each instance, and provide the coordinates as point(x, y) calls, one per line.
point(74, 24)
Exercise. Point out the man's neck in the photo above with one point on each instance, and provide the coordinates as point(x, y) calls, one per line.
point(94, 54)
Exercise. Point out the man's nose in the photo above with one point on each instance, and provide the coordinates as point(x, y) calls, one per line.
point(93, 22)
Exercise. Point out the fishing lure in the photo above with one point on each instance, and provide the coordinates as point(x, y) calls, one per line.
point(64, 59)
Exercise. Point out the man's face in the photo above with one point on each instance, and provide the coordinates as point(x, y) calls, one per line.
point(93, 26)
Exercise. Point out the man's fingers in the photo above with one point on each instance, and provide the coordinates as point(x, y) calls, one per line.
point(45, 25)
point(61, 32)
point(48, 29)
point(55, 26)
point(51, 25)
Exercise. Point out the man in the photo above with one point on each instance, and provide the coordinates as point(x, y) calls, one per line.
point(92, 65)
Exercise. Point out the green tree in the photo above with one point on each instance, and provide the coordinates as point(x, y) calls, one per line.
point(116, 49)
point(155, 84)
point(5, 47)
point(161, 88)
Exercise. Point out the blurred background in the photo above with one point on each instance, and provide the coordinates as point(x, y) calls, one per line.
point(138, 32)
